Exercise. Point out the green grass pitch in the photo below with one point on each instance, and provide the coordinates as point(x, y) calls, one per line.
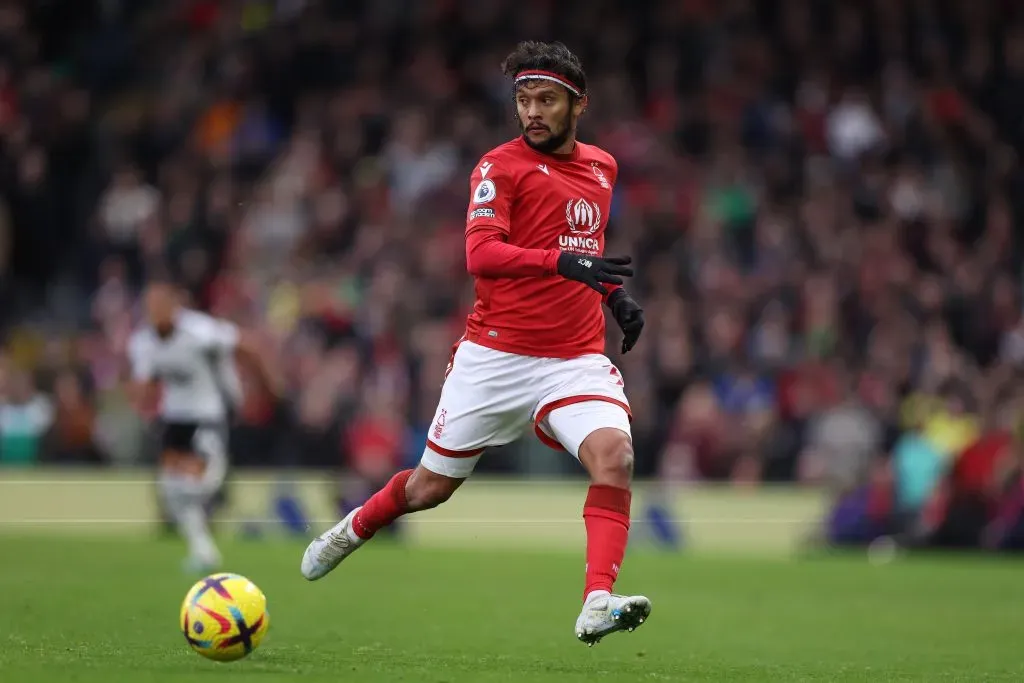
point(105, 609)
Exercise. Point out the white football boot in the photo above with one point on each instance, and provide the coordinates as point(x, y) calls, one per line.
point(329, 548)
point(605, 613)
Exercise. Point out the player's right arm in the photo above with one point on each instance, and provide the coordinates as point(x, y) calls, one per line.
point(488, 224)
point(143, 387)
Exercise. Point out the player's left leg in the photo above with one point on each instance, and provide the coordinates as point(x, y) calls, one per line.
point(591, 421)
point(189, 478)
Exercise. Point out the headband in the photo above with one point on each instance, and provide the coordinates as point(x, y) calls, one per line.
point(549, 76)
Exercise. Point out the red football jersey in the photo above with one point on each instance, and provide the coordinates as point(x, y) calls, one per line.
point(540, 201)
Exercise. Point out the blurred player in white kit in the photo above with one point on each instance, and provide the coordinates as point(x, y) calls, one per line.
point(186, 361)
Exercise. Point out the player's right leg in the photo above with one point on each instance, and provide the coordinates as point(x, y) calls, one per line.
point(408, 491)
point(481, 404)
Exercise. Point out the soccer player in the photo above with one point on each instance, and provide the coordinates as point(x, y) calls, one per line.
point(185, 361)
point(533, 351)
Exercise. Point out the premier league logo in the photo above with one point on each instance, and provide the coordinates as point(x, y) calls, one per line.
point(484, 192)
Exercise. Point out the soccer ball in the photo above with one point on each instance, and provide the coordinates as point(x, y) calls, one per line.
point(224, 617)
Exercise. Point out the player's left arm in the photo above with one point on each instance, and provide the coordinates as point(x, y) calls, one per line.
point(250, 349)
point(626, 311)
point(628, 314)
point(226, 338)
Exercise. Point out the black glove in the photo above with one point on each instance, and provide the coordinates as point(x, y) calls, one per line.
point(593, 270)
point(628, 315)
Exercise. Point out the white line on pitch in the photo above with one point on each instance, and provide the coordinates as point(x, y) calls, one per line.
point(481, 522)
point(490, 483)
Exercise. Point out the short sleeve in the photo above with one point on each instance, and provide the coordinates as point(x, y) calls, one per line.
point(213, 334)
point(490, 196)
point(223, 335)
point(141, 360)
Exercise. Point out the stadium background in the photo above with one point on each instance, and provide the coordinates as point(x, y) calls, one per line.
point(824, 199)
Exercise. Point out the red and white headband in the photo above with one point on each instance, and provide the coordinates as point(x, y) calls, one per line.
point(549, 76)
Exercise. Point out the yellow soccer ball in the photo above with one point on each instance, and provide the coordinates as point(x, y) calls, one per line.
point(224, 617)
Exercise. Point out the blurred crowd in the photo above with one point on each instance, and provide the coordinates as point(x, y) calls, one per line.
point(823, 199)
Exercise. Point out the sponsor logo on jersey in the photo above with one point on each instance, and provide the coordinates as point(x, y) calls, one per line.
point(583, 216)
point(576, 243)
point(600, 176)
point(175, 376)
point(484, 192)
point(484, 212)
point(485, 169)
point(543, 168)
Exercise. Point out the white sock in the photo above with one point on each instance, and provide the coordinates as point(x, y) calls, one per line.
point(185, 498)
point(594, 595)
point(192, 525)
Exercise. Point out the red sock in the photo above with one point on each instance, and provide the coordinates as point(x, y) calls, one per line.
point(384, 507)
point(606, 515)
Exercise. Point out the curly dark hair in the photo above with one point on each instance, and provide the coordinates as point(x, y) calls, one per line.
point(554, 57)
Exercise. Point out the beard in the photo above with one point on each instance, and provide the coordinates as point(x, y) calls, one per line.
point(554, 140)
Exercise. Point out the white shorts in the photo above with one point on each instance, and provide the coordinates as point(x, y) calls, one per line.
point(490, 398)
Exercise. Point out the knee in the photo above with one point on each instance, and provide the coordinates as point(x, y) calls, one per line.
point(608, 456)
point(427, 489)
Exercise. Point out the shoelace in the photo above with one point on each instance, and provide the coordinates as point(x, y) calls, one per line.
point(337, 543)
